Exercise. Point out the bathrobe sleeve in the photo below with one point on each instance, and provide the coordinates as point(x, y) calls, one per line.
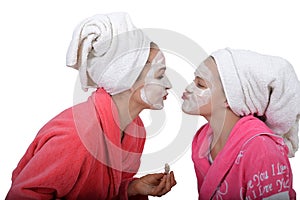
point(134, 161)
point(123, 195)
point(61, 162)
point(57, 166)
point(50, 168)
point(266, 170)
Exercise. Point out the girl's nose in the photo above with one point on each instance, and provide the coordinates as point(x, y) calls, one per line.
point(190, 87)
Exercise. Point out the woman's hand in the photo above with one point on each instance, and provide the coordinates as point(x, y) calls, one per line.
point(152, 184)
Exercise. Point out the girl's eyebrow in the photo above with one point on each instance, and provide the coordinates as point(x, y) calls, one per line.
point(202, 80)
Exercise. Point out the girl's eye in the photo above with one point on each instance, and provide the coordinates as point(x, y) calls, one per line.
point(200, 85)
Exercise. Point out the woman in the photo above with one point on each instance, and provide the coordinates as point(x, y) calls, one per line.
point(92, 150)
point(251, 104)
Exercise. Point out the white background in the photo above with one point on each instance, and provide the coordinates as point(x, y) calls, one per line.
point(36, 85)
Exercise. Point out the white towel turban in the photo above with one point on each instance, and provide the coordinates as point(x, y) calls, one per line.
point(109, 52)
point(262, 85)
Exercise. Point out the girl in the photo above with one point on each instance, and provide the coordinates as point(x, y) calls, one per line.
point(251, 102)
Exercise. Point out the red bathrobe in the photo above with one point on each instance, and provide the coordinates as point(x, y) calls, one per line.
point(80, 154)
point(252, 165)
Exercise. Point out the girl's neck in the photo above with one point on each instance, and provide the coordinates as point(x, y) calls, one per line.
point(221, 125)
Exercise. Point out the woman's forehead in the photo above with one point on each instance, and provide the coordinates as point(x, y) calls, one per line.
point(158, 62)
point(153, 53)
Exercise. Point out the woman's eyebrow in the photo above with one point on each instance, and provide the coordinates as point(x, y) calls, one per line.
point(161, 70)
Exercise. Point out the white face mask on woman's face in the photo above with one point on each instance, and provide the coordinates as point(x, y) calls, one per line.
point(156, 83)
point(196, 96)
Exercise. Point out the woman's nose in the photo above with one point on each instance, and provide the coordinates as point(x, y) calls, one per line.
point(167, 83)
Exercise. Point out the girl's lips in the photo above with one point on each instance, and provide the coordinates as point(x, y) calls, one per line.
point(184, 96)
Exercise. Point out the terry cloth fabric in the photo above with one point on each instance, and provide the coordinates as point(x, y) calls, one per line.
point(109, 52)
point(252, 165)
point(79, 154)
point(263, 85)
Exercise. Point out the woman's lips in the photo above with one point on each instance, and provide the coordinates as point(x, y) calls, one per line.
point(165, 97)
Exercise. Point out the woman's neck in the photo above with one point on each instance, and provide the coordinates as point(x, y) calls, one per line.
point(127, 110)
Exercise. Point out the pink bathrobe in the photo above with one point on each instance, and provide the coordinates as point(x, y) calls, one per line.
point(252, 165)
point(79, 155)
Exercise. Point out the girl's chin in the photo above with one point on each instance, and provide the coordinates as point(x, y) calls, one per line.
point(187, 109)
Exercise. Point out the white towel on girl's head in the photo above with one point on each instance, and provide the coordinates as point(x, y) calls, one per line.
point(263, 85)
point(109, 52)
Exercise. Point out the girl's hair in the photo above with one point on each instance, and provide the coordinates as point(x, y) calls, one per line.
point(262, 118)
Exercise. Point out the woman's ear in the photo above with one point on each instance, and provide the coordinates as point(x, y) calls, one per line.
point(132, 89)
point(226, 104)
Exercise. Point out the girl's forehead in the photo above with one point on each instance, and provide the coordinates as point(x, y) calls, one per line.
point(207, 69)
point(204, 72)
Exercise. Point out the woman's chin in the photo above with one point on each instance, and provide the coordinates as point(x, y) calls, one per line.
point(157, 106)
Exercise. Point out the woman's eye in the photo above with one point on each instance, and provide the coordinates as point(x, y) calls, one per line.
point(161, 76)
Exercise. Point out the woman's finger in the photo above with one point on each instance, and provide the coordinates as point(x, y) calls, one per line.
point(157, 191)
point(173, 181)
point(168, 183)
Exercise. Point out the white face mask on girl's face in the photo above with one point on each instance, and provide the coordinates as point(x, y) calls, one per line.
point(156, 83)
point(196, 98)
